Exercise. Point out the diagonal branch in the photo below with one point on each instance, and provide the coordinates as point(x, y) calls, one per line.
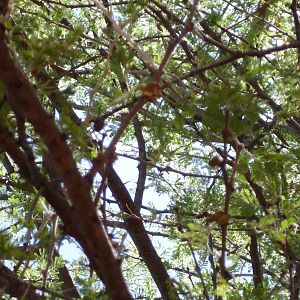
point(174, 42)
point(87, 229)
point(296, 23)
point(140, 185)
point(255, 260)
point(236, 56)
point(13, 286)
point(135, 227)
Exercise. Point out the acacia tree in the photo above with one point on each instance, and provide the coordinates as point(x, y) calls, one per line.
point(203, 96)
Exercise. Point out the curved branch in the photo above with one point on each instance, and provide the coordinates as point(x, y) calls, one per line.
point(83, 222)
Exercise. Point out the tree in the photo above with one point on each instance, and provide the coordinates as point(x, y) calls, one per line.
point(203, 96)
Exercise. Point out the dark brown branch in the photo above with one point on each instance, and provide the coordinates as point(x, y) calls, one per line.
point(52, 195)
point(68, 288)
point(140, 185)
point(232, 58)
point(169, 169)
point(73, 72)
point(188, 26)
point(142, 168)
point(258, 193)
point(136, 107)
point(255, 261)
point(296, 23)
point(189, 54)
point(136, 229)
point(293, 122)
point(297, 283)
point(211, 260)
point(63, 4)
point(3, 7)
point(88, 231)
point(10, 284)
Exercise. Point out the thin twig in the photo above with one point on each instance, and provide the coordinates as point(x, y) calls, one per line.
point(144, 56)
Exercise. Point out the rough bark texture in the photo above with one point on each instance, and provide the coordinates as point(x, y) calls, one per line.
point(255, 261)
point(12, 285)
point(82, 222)
point(135, 227)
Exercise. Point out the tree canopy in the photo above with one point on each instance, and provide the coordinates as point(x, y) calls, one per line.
point(160, 138)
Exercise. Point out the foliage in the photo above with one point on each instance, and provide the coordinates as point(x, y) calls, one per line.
point(202, 96)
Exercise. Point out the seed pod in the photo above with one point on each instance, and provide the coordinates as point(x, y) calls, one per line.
point(221, 217)
point(152, 90)
point(215, 161)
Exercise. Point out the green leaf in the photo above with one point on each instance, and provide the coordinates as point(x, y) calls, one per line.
point(287, 222)
point(280, 236)
point(267, 220)
point(115, 64)
point(179, 121)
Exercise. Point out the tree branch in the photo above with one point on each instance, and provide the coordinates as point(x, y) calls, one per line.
point(13, 286)
point(136, 229)
point(85, 225)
